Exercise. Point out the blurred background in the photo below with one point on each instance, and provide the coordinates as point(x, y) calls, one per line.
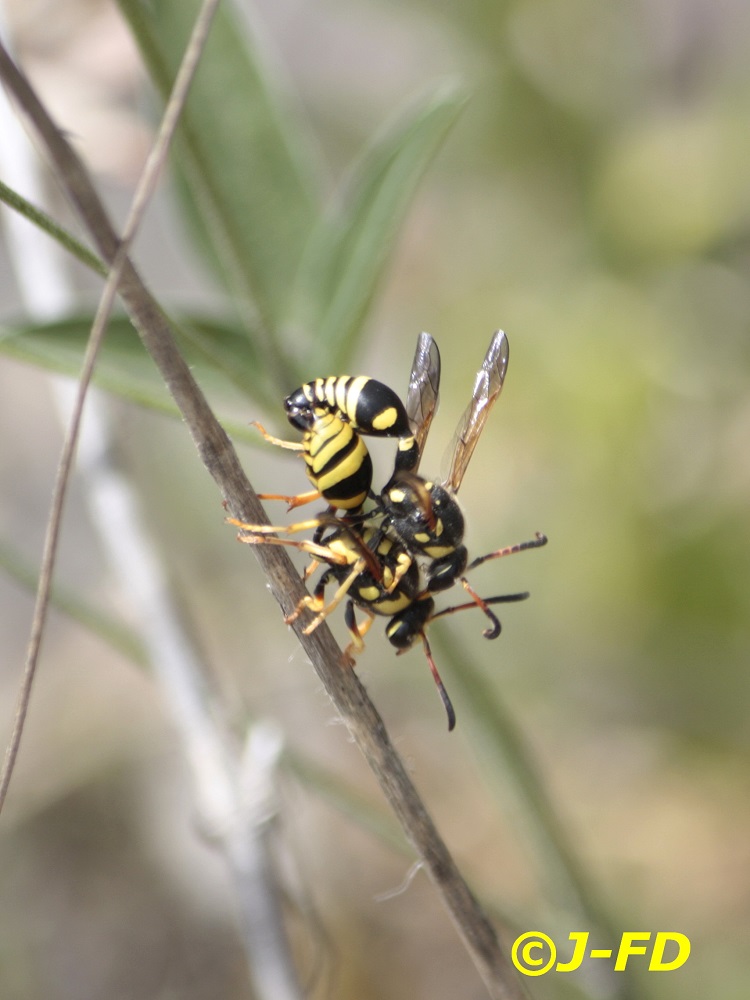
point(593, 200)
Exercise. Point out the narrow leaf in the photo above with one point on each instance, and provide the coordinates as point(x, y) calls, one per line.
point(39, 218)
point(242, 157)
point(348, 251)
point(221, 357)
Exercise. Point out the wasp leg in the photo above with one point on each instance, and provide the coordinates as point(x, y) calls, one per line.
point(321, 522)
point(357, 632)
point(306, 603)
point(310, 569)
point(404, 562)
point(298, 500)
point(289, 445)
point(321, 552)
point(312, 602)
point(534, 543)
point(276, 529)
point(337, 598)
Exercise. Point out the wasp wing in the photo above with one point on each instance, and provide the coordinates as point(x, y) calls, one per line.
point(487, 387)
point(424, 389)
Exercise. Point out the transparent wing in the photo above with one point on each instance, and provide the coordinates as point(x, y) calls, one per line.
point(424, 389)
point(487, 386)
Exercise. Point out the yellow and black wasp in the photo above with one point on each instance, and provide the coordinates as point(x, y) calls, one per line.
point(376, 573)
point(376, 557)
point(424, 514)
point(332, 413)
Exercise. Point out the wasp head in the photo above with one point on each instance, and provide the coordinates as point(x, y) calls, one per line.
point(299, 410)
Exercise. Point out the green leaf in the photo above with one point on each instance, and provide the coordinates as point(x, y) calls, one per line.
point(39, 218)
point(220, 356)
point(347, 253)
point(245, 165)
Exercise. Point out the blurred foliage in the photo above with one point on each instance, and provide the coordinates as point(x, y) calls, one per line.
point(593, 201)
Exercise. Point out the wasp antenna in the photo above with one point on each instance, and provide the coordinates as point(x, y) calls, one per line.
point(500, 599)
point(449, 710)
point(535, 543)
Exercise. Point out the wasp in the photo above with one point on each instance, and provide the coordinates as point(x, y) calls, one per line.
point(332, 414)
point(424, 514)
point(377, 557)
point(376, 573)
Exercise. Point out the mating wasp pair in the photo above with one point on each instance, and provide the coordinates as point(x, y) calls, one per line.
point(389, 558)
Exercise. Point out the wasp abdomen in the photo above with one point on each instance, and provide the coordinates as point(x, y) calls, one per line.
point(368, 406)
point(409, 624)
point(337, 462)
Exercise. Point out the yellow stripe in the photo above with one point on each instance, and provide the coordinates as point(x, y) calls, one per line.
point(351, 503)
point(354, 390)
point(385, 419)
point(368, 593)
point(330, 446)
point(329, 391)
point(437, 551)
point(391, 607)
